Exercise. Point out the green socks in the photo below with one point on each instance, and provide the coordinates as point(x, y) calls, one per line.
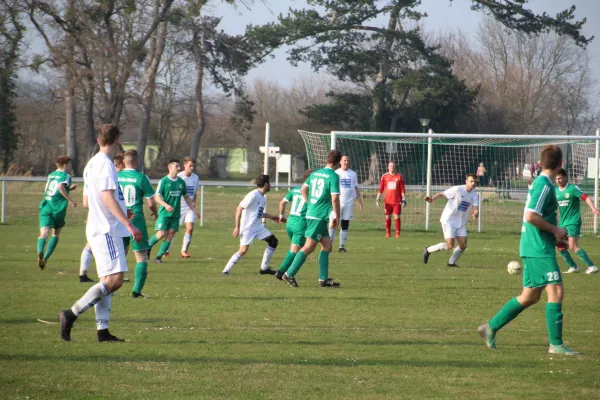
point(296, 264)
point(584, 257)
point(40, 245)
point(568, 259)
point(506, 314)
point(51, 246)
point(287, 261)
point(323, 265)
point(554, 319)
point(152, 241)
point(164, 247)
point(141, 272)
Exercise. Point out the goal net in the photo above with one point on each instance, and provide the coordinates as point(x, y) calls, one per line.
point(504, 165)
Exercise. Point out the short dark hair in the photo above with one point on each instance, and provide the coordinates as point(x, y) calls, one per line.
point(471, 175)
point(562, 172)
point(334, 157)
point(108, 134)
point(173, 160)
point(118, 160)
point(262, 180)
point(307, 174)
point(61, 161)
point(130, 156)
point(551, 157)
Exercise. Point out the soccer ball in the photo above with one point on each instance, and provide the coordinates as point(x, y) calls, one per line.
point(514, 268)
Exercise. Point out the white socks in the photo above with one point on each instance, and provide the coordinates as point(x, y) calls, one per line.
point(186, 242)
point(232, 261)
point(90, 298)
point(332, 234)
point(455, 255)
point(267, 258)
point(343, 237)
point(86, 261)
point(437, 247)
point(103, 312)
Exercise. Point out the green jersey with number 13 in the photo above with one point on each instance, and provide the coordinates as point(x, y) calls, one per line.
point(322, 183)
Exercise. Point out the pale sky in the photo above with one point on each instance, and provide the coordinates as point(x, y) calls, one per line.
point(442, 15)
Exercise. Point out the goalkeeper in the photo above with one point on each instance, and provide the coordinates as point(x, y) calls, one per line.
point(395, 198)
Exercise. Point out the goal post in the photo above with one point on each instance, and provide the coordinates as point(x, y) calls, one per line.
point(504, 164)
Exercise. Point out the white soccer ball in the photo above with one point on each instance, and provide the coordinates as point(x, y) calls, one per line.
point(514, 268)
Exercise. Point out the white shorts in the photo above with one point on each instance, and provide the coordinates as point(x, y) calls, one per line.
point(347, 211)
point(450, 232)
point(248, 236)
point(188, 216)
point(109, 254)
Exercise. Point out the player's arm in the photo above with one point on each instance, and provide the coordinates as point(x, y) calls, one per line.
point(403, 191)
point(589, 202)
point(539, 222)
point(434, 198)
point(381, 187)
point(108, 199)
point(304, 192)
point(190, 204)
point(152, 206)
point(475, 212)
point(335, 202)
point(282, 205)
point(358, 198)
point(238, 221)
point(158, 198)
point(62, 188)
point(85, 201)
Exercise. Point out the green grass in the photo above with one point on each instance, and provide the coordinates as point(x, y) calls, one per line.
point(395, 329)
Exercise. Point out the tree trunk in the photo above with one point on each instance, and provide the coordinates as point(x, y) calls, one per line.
point(384, 71)
point(92, 144)
point(198, 38)
point(70, 104)
point(157, 48)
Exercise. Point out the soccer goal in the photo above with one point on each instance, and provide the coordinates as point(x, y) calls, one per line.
point(431, 162)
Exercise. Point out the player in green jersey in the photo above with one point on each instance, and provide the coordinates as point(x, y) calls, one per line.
point(321, 191)
point(135, 187)
point(53, 208)
point(295, 226)
point(171, 189)
point(568, 196)
point(539, 235)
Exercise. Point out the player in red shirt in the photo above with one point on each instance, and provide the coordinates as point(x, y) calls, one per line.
point(395, 198)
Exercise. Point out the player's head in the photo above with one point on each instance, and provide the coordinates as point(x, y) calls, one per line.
point(262, 182)
point(392, 167)
point(561, 178)
point(130, 159)
point(470, 182)
point(188, 165)
point(307, 174)
point(64, 163)
point(174, 167)
point(118, 161)
point(108, 135)
point(345, 162)
point(551, 159)
point(333, 158)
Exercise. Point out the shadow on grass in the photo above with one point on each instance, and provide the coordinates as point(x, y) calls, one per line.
point(288, 361)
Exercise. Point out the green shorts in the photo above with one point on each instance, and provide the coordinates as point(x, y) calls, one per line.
point(573, 231)
point(167, 223)
point(140, 222)
point(51, 218)
point(296, 229)
point(316, 229)
point(540, 272)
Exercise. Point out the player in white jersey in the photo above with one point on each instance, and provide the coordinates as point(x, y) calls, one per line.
point(86, 254)
point(454, 218)
point(107, 225)
point(248, 226)
point(348, 192)
point(188, 217)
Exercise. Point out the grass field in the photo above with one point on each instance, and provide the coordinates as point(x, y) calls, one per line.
point(395, 329)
